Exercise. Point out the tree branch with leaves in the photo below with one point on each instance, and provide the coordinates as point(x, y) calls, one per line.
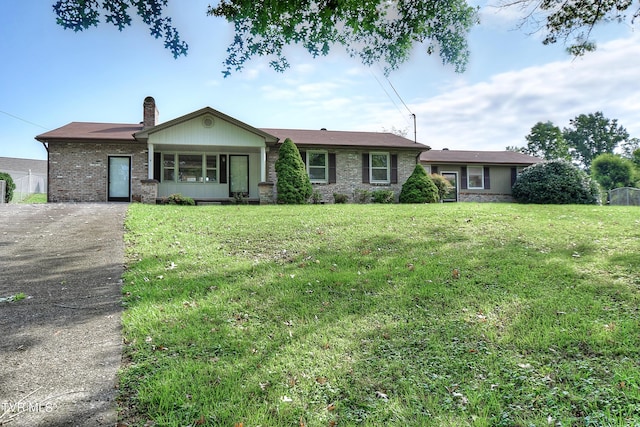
point(374, 31)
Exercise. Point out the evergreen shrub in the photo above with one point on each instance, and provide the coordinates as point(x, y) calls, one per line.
point(178, 199)
point(382, 196)
point(419, 188)
point(555, 182)
point(10, 186)
point(294, 186)
point(340, 198)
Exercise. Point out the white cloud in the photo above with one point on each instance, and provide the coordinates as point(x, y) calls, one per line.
point(501, 111)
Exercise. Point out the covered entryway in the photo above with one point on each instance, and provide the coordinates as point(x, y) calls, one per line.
point(119, 171)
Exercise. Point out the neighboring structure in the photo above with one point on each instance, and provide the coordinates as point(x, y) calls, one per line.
point(210, 156)
point(478, 176)
point(29, 175)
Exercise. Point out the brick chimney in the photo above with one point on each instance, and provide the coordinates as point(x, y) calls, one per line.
point(149, 113)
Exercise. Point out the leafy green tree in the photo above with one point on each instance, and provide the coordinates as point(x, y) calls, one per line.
point(574, 21)
point(612, 171)
point(419, 188)
point(10, 186)
point(443, 185)
point(627, 148)
point(591, 135)
point(555, 182)
point(546, 142)
point(373, 31)
point(294, 186)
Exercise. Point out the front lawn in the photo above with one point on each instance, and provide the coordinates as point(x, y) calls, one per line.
point(404, 315)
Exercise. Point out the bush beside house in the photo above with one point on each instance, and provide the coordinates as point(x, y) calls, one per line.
point(555, 182)
point(294, 186)
point(9, 186)
point(419, 188)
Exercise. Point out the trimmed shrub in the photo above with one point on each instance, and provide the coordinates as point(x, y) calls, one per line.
point(178, 199)
point(419, 188)
point(316, 197)
point(361, 195)
point(340, 198)
point(382, 196)
point(10, 186)
point(294, 186)
point(442, 184)
point(555, 182)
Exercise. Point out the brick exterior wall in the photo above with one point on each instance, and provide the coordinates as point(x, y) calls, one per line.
point(349, 174)
point(78, 171)
point(484, 197)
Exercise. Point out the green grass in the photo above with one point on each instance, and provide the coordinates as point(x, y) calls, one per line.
point(444, 314)
point(35, 198)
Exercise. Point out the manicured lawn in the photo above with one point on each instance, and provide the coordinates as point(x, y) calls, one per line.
point(445, 314)
point(35, 198)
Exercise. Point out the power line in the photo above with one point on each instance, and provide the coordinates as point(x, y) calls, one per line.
point(389, 96)
point(398, 95)
point(22, 120)
point(415, 131)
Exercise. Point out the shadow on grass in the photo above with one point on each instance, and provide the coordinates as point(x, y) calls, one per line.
point(380, 327)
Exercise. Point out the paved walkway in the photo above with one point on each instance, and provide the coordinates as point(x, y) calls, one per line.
point(60, 348)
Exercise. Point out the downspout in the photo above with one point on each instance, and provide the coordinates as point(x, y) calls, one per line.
point(46, 147)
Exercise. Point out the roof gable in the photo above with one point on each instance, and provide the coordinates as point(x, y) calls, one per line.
point(144, 133)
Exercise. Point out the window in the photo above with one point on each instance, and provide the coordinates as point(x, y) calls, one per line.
point(212, 169)
point(475, 177)
point(179, 167)
point(379, 169)
point(317, 166)
point(189, 167)
point(169, 167)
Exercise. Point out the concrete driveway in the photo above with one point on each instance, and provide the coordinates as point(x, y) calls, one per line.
point(60, 347)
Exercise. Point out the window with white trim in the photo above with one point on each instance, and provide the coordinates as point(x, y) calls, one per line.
point(475, 177)
point(379, 168)
point(190, 168)
point(318, 166)
point(212, 168)
point(168, 167)
point(183, 167)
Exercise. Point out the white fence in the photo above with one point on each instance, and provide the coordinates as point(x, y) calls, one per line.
point(625, 196)
point(27, 185)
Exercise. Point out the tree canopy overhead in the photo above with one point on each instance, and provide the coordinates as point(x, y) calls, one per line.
point(573, 21)
point(375, 31)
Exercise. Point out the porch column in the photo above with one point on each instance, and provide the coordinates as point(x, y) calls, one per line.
point(150, 162)
point(263, 164)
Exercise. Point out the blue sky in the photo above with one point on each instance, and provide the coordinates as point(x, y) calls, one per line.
point(50, 77)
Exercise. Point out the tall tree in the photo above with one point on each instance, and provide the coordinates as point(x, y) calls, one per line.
point(546, 141)
point(612, 171)
point(374, 30)
point(591, 135)
point(627, 148)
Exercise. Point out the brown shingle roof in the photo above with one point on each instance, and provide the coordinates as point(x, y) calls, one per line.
point(92, 131)
point(344, 138)
point(480, 157)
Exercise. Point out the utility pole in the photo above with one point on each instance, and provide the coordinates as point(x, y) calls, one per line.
point(415, 131)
